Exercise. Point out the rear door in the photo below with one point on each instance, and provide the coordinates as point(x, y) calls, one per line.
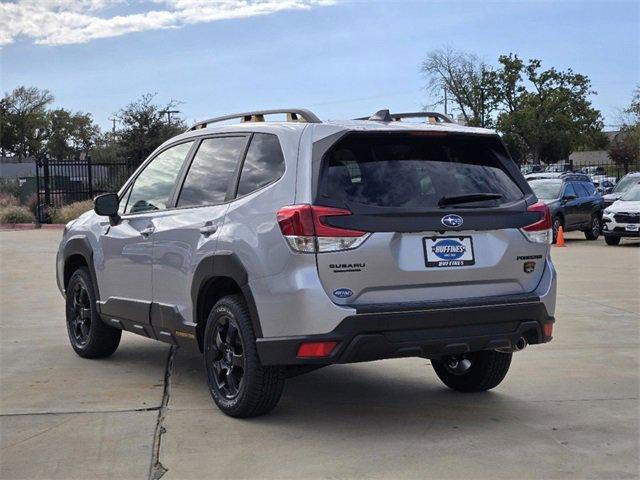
point(443, 212)
point(189, 232)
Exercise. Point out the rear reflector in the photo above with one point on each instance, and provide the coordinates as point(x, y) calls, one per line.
point(316, 349)
point(547, 330)
point(540, 231)
point(306, 230)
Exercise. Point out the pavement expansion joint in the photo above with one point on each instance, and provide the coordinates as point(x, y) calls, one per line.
point(156, 469)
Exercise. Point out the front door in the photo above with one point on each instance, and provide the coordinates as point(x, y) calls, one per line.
point(571, 202)
point(125, 257)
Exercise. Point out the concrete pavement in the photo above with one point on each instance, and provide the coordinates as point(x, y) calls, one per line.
point(566, 410)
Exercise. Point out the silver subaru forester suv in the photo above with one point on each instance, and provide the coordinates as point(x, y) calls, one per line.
point(278, 247)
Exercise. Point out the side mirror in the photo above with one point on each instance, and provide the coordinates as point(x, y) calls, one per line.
point(107, 205)
point(568, 198)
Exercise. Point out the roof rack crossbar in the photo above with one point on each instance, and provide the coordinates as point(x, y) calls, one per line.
point(385, 116)
point(293, 115)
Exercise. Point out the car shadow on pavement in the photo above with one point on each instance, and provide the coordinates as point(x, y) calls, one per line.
point(382, 396)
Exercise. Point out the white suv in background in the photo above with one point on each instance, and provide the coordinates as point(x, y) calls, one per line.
point(622, 218)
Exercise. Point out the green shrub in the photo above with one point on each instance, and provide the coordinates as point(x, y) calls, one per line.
point(71, 211)
point(8, 200)
point(16, 214)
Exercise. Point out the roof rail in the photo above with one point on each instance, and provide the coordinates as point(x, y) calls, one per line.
point(385, 116)
point(293, 115)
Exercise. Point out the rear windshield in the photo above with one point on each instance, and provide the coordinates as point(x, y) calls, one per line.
point(547, 189)
point(416, 170)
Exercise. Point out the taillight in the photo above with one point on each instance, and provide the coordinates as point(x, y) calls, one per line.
point(540, 231)
point(305, 229)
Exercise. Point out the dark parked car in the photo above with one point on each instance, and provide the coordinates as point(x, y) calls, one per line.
point(574, 203)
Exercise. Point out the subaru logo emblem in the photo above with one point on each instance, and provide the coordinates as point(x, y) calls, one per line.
point(452, 221)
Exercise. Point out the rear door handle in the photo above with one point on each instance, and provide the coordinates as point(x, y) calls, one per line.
point(147, 231)
point(208, 229)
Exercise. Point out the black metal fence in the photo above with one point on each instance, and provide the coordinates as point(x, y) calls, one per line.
point(61, 182)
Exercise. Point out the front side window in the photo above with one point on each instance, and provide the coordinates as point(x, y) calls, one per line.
point(569, 191)
point(263, 164)
point(211, 171)
point(417, 170)
point(152, 188)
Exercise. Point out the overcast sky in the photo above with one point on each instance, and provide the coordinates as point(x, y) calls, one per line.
point(340, 58)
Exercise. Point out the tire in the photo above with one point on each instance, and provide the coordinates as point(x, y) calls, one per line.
point(595, 227)
point(90, 337)
point(488, 368)
point(239, 384)
point(557, 223)
point(611, 240)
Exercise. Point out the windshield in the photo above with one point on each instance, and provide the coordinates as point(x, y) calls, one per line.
point(546, 189)
point(632, 195)
point(626, 183)
point(416, 170)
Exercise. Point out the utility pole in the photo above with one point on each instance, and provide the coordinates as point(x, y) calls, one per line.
point(445, 101)
point(113, 130)
point(169, 112)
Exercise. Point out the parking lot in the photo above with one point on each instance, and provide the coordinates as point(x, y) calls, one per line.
point(568, 409)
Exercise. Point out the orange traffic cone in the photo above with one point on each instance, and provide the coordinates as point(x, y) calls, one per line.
point(560, 237)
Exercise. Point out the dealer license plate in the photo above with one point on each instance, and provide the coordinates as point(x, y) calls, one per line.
point(448, 251)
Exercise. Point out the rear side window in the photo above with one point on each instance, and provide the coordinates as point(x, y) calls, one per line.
point(415, 169)
point(211, 171)
point(263, 164)
point(590, 187)
point(581, 189)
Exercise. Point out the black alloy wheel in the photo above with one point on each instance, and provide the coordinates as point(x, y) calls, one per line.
point(238, 382)
point(80, 321)
point(90, 337)
point(227, 359)
point(594, 229)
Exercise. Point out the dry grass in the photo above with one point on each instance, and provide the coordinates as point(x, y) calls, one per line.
point(16, 214)
point(71, 212)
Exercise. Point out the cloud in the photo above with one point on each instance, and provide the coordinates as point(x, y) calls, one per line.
point(60, 22)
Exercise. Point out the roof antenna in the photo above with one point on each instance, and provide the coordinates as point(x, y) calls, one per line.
point(381, 116)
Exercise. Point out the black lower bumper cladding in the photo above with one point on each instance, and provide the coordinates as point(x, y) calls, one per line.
point(428, 330)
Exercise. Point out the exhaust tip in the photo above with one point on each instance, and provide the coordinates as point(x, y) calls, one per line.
point(521, 344)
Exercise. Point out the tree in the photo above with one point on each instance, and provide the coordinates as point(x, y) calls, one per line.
point(145, 127)
point(625, 147)
point(465, 79)
point(547, 110)
point(542, 115)
point(69, 134)
point(24, 120)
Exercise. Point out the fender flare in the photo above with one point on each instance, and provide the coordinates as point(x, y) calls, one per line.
point(81, 246)
point(224, 263)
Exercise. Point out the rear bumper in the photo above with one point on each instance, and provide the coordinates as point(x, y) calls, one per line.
point(428, 330)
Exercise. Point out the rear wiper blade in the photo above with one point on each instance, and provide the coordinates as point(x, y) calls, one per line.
point(472, 197)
